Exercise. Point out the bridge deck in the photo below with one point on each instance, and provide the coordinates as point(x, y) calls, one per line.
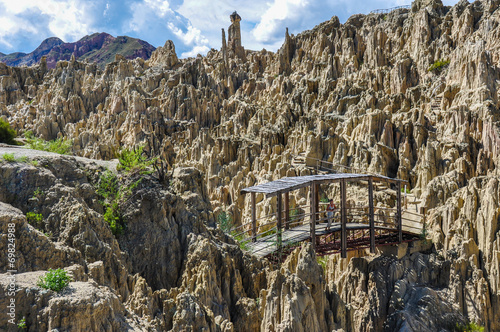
point(267, 245)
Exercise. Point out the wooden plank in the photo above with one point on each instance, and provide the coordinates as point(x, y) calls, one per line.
point(279, 244)
point(343, 215)
point(313, 215)
point(287, 210)
point(371, 215)
point(254, 217)
point(400, 222)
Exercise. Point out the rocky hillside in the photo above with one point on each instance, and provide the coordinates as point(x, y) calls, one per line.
point(412, 93)
point(99, 48)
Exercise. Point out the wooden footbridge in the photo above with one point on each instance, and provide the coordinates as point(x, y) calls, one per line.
point(352, 227)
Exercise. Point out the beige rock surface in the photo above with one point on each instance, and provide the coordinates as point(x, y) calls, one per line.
point(359, 94)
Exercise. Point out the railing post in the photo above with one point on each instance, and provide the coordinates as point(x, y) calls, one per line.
point(400, 220)
point(343, 215)
point(254, 218)
point(287, 210)
point(371, 214)
point(278, 225)
point(313, 215)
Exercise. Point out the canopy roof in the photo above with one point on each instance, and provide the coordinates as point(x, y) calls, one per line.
point(283, 185)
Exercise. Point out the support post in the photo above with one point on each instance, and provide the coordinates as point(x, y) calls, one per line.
point(423, 212)
point(343, 215)
point(400, 223)
point(317, 201)
point(254, 218)
point(287, 210)
point(316, 189)
point(278, 225)
point(371, 215)
point(313, 215)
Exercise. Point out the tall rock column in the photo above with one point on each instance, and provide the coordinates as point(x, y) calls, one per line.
point(234, 36)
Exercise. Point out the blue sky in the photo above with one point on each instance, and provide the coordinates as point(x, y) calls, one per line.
point(193, 25)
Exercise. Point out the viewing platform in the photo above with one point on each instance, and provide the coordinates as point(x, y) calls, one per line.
point(352, 227)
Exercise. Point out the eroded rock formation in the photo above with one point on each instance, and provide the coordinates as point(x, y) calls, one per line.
point(359, 94)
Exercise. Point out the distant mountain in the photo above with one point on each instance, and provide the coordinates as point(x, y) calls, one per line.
point(98, 47)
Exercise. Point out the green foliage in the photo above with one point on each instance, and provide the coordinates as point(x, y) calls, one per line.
point(22, 324)
point(323, 260)
point(108, 189)
point(34, 219)
point(34, 162)
point(324, 199)
point(403, 190)
point(9, 157)
point(60, 145)
point(7, 134)
point(112, 194)
point(114, 218)
point(38, 193)
point(469, 327)
point(55, 280)
point(22, 159)
point(439, 65)
point(134, 160)
point(107, 186)
point(225, 222)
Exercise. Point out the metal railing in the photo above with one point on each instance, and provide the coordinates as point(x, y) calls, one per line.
point(388, 10)
point(385, 219)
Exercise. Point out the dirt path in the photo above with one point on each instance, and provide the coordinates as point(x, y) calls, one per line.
point(20, 151)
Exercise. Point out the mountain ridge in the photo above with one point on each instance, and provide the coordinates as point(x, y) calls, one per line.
point(97, 47)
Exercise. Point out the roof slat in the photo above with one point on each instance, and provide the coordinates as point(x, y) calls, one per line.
point(293, 183)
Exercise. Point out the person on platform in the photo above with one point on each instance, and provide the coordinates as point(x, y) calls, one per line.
point(330, 211)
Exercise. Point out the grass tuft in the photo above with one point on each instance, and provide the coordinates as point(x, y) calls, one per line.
point(60, 145)
point(439, 65)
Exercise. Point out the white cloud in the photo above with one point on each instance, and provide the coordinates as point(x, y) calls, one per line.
point(195, 51)
point(65, 19)
point(160, 7)
point(190, 37)
point(276, 17)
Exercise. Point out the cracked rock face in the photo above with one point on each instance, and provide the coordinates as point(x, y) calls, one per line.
point(358, 94)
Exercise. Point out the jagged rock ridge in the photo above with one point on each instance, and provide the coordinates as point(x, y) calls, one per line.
point(100, 48)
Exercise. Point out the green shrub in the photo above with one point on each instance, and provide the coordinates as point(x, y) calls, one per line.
point(469, 327)
point(34, 163)
point(7, 134)
point(38, 193)
point(134, 160)
point(439, 65)
point(225, 222)
point(60, 145)
point(322, 260)
point(34, 219)
point(112, 193)
point(22, 324)
point(114, 218)
point(8, 157)
point(107, 186)
point(55, 280)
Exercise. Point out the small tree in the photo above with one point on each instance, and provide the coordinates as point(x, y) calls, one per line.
point(7, 134)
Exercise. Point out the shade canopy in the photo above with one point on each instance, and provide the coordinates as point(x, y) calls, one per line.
point(287, 184)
